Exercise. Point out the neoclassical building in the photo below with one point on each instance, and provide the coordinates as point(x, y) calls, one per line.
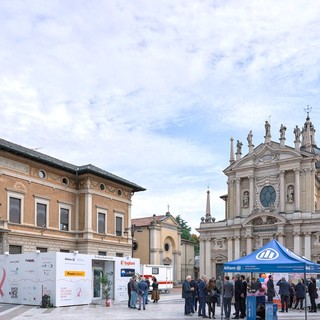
point(273, 193)
point(157, 240)
point(47, 204)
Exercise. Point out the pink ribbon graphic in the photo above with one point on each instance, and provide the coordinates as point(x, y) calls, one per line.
point(2, 282)
point(79, 293)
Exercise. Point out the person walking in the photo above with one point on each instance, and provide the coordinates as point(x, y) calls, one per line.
point(227, 296)
point(312, 289)
point(202, 291)
point(142, 288)
point(300, 294)
point(155, 290)
point(187, 296)
point(284, 291)
point(270, 288)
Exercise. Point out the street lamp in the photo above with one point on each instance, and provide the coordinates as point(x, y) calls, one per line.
point(132, 229)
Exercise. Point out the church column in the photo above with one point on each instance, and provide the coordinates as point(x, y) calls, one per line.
point(309, 195)
point(280, 234)
point(251, 190)
point(237, 247)
point(154, 243)
point(249, 244)
point(307, 245)
point(282, 191)
point(230, 249)
point(296, 240)
point(249, 240)
point(208, 258)
point(281, 238)
point(238, 197)
point(202, 256)
point(231, 200)
point(297, 189)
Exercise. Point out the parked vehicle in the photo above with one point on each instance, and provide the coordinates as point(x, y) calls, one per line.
point(163, 273)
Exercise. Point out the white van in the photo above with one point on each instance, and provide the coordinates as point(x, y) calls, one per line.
point(164, 275)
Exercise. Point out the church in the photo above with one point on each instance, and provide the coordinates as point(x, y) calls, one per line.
point(273, 193)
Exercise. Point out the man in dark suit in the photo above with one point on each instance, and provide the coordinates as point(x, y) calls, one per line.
point(202, 291)
point(194, 285)
point(187, 295)
point(284, 291)
point(270, 288)
point(227, 296)
point(237, 295)
point(243, 297)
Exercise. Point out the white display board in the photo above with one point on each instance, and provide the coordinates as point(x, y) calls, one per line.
point(66, 277)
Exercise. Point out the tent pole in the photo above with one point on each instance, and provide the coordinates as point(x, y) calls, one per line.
point(305, 290)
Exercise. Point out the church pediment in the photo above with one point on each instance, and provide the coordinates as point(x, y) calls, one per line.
point(264, 218)
point(169, 220)
point(265, 155)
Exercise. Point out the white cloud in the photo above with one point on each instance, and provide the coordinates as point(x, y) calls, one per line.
point(153, 90)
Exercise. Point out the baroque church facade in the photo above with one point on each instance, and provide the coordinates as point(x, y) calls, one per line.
point(273, 193)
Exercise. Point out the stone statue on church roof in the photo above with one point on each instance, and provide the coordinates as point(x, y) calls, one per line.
point(297, 133)
point(283, 131)
point(249, 138)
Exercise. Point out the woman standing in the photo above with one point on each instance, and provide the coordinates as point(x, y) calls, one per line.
point(312, 288)
point(212, 298)
point(300, 294)
point(155, 290)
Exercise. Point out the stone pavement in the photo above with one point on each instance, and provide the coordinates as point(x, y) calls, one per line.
point(170, 306)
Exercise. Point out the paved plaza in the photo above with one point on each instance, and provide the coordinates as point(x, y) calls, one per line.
point(170, 306)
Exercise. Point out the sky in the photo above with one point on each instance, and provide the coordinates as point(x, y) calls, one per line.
point(152, 91)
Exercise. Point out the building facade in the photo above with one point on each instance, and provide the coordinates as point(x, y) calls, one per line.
point(273, 193)
point(49, 205)
point(157, 240)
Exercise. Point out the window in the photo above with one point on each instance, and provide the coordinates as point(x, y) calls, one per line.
point(14, 210)
point(267, 196)
point(42, 174)
point(41, 215)
point(101, 222)
point(65, 181)
point(64, 250)
point(42, 249)
point(119, 227)
point(166, 247)
point(102, 253)
point(64, 219)
point(118, 254)
point(155, 270)
point(15, 249)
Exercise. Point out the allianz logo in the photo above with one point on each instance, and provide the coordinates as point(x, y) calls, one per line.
point(267, 254)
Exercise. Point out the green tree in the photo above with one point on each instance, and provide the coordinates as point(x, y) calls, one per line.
point(185, 229)
point(186, 233)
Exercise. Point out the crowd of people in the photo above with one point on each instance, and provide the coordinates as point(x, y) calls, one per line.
point(202, 295)
point(138, 289)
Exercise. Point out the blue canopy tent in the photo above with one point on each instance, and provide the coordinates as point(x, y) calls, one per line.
point(273, 258)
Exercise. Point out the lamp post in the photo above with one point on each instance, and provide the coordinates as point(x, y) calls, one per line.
point(132, 229)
